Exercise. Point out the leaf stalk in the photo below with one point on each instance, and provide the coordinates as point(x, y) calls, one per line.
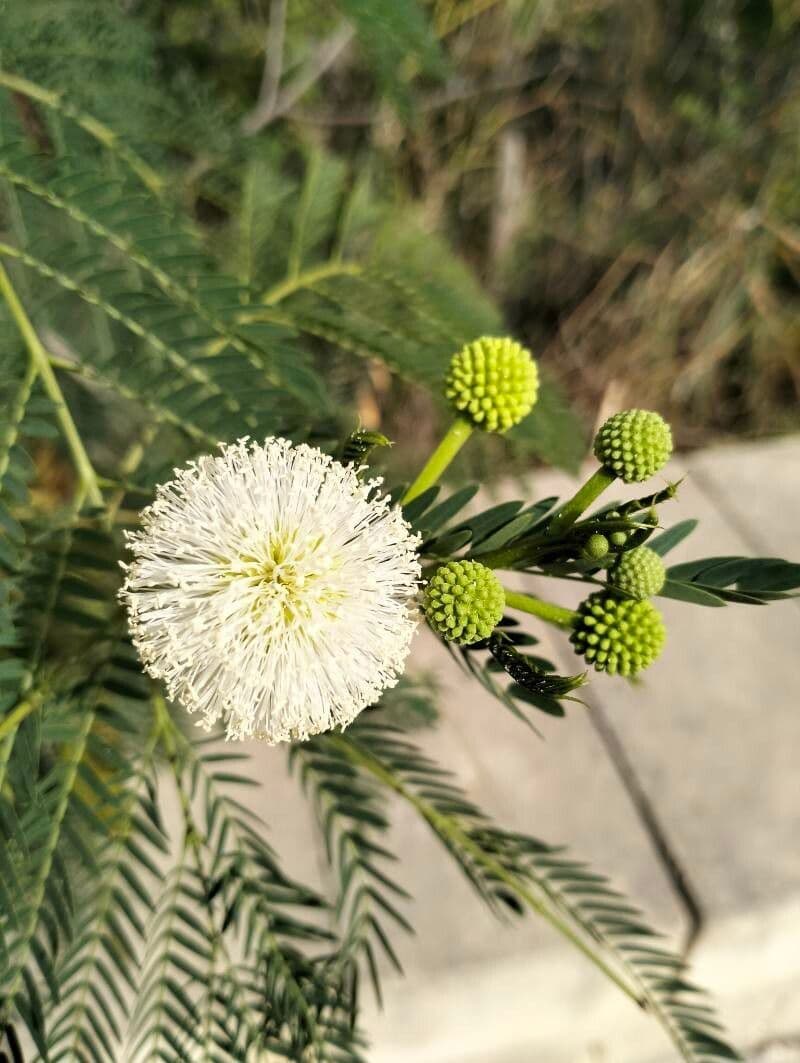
point(549, 611)
point(581, 500)
point(457, 435)
point(450, 831)
point(41, 360)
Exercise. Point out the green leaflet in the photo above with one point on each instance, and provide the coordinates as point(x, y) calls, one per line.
point(744, 580)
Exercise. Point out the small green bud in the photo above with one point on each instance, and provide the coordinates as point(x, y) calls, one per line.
point(493, 382)
point(639, 573)
point(634, 444)
point(595, 547)
point(617, 635)
point(464, 601)
point(616, 538)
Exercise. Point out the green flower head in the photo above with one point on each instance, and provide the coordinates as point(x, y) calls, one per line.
point(463, 601)
point(634, 444)
point(639, 573)
point(493, 382)
point(616, 635)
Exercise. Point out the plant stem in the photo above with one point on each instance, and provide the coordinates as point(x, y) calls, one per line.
point(102, 133)
point(12, 720)
point(320, 60)
point(14, 415)
point(540, 546)
point(451, 832)
point(457, 435)
point(583, 498)
point(571, 510)
point(553, 614)
point(41, 360)
point(307, 279)
point(509, 556)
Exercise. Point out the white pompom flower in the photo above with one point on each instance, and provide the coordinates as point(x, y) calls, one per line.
point(273, 589)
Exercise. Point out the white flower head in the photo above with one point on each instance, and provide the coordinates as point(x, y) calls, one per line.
point(272, 588)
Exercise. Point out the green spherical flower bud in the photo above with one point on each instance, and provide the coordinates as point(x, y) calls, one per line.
point(618, 538)
point(639, 573)
point(634, 444)
point(463, 601)
point(493, 382)
point(618, 635)
point(595, 547)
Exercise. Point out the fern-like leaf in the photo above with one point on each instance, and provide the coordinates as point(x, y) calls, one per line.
point(510, 868)
point(352, 814)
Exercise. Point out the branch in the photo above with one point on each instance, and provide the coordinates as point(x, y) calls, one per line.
point(273, 67)
point(41, 360)
point(322, 60)
point(451, 832)
point(13, 719)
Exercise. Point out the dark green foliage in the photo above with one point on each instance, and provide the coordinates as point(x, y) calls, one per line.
point(352, 813)
point(483, 532)
point(174, 341)
point(88, 49)
point(227, 967)
point(669, 539)
point(745, 580)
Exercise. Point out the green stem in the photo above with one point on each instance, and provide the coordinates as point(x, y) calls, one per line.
point(307, 279)
point(15, 415)
point(453, 834)
point(509, 557)
point(553, 614)
point(102, 133)
point(581, 500)
point(457, 435)
point(12, 720)
point(41, 360)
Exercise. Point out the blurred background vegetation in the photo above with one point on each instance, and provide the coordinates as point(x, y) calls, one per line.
point(617, 183)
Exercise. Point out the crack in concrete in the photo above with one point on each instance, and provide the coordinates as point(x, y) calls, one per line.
point(676, 873)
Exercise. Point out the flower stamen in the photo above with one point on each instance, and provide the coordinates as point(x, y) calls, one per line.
point(270, 587)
